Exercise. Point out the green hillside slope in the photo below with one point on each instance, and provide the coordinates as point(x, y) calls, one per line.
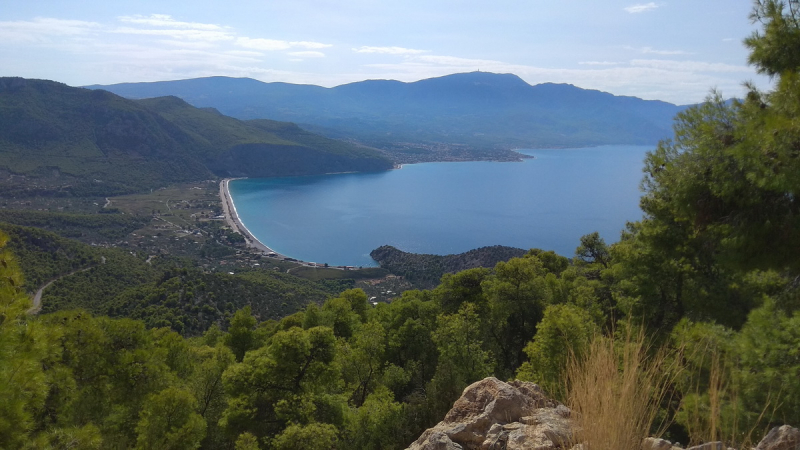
point(82, 142)
point(163, 292)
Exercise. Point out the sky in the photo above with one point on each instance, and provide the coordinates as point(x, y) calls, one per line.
point(675, 51)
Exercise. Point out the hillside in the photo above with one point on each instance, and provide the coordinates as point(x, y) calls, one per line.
point(91, 142)
point(480, 110)
point(162, 292)
point(426, 270)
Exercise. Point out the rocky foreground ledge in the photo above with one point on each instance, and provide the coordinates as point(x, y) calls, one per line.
point(494, 415)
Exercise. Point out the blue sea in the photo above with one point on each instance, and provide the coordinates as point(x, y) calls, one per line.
point(547, 202)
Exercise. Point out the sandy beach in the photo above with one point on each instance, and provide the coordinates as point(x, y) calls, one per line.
point(233, 221)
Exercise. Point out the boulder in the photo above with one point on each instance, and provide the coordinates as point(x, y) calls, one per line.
point(781, 438)
point(652, 443)
point(492, 414)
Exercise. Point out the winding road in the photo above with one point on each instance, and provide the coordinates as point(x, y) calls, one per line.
point(37, 298)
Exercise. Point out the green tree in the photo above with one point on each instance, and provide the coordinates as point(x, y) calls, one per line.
point(775, 51)
point(593, 250)
point(285, 381)
point(22, 347)
point(565, 331)
point(768, 348)
point(731, 176)
point(358, 302)
point(518, 294)
point(246, 441)
point(209, 391)
point(240, 337)
point(709, 409)
point(462, 287)
point(87, 437)
point(462, 360)
point(376, 425)
point(314, 436)
point(721, 199)
point(409, 323)
point(169, 421)
point(340, 316)
point(362, 361)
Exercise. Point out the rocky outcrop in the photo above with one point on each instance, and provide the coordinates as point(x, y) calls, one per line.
point(494, 415)
point(781, 438)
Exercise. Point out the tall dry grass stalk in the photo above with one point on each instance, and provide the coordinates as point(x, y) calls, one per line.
point(615, 389)
point(703, 416)
point(715, 414)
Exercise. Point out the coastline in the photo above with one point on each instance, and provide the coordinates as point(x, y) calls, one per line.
point(236, 224)
point(233, 221)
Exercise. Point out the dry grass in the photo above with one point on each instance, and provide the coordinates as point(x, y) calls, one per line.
point(703, 418)
point(615, 389)
point(716, 415)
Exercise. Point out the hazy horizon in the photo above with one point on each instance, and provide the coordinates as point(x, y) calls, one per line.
point(672, 51)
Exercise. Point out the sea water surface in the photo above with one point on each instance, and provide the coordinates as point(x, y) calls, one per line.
point(547, 202)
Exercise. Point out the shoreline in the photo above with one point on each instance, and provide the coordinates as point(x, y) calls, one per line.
point(232, 218)
point(236, 224)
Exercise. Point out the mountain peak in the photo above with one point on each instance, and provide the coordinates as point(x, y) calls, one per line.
point(478, 78)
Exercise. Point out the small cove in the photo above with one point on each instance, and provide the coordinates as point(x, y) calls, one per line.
point(442, 208)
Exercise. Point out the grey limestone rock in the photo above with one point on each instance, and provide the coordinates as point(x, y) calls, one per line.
point(494, 415)
point(781, 438)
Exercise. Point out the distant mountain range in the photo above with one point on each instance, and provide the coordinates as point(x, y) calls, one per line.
point(478, 109)
point(93, 141)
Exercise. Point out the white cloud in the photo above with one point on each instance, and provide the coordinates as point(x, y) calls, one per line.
point(159, 47)
point(689, 66)
point(262, 44)
point(187, 44)
point(598, 63)
point(274, 44)
point(663, 52)
point(640, 8)
point(307, 44)
point(43, 28)
point(455, 61)
point(187, 34)
point(164, 20)
point(307, 54)
point(389, 50)
point(247, 53)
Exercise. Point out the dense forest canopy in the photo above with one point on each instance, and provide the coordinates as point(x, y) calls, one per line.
point(710, 274)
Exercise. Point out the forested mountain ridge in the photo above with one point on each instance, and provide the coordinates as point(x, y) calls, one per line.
point(478, 109)
point(80, 140)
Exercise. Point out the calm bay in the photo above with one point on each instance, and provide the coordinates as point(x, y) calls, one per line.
point(548, 202)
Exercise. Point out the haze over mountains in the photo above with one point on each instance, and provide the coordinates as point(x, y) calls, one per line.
point(196, 129)
point(478, 109)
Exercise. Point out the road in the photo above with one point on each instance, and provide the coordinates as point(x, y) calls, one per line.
point(37, 298)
